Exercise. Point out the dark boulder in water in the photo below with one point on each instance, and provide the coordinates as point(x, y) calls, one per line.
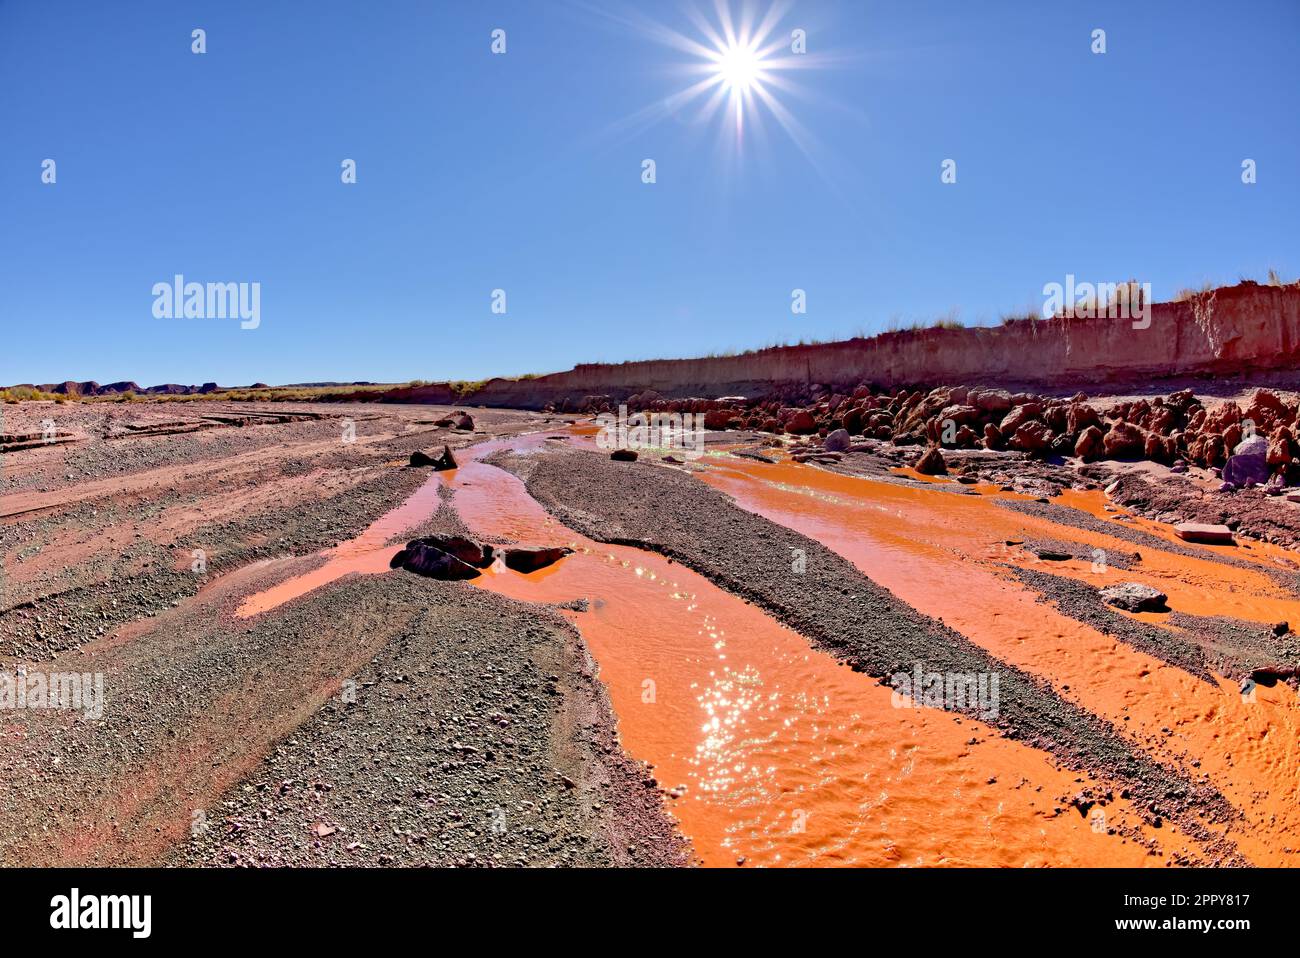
point(430, 561)
point(530, 560)
point(446, 461)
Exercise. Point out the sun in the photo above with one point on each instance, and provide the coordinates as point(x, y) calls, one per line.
point(739, 67)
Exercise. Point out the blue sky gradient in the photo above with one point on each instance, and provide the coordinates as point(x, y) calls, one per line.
point(523, 172)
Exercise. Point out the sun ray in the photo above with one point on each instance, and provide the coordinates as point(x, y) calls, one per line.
point(738, 58)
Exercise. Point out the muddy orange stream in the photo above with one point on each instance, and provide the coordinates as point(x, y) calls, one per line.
point(367, 554)
point(777, 754)
point(941, 554)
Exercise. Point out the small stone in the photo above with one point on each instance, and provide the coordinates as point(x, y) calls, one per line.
point(1203, 532)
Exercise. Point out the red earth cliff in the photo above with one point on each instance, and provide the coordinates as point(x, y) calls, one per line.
point(1226, 331)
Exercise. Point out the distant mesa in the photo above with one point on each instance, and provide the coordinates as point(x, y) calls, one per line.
point(91, 388)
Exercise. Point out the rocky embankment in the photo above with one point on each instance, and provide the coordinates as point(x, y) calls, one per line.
point(1244, 329)
point(1232, 463)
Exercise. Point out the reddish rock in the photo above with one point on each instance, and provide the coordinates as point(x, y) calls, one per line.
point(1214, 451)
point(1026, 412)
point(1222, 417)
point(1203, 532)
point(1091, 444)
point(1266, 409)
point(1079, 416)
point(469, 551)
point(1279, 450)
point(1032, 437)
point(1124, 441)
point(1162, 421)
point(718, 418)
point(993, 401)
point(960, 415)
point(1057, 417)
point(931, 463)
point(992, 437)
point(1158, 449)
point(801, 423)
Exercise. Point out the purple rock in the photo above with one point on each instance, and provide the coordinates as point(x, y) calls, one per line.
point(1246, 470)
point(1253, 446)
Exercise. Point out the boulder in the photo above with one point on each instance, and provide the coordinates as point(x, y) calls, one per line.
point(1019, 416)
point(1255, 445)
point(838, 441)
point(1124, 441)
point(1232, 436)
point(1213, 450)
point(931, 463)
point(960, 415)
point(1162, 421)
point(1246, 470)
point(1266, 408)
point(993, 401)
point(801, 423)
point(1135, 597)
point(1079, 416)
point(992, 436)
point(1279, 450)
point(1159, 449)
point(428, 560)
point(420, 459)
point(1032, 437)
point(624, 455)
point(1222, 417)
point(1091, 444)
point(718, 418)
point(463, 421)
point(524, 559)
point(467, 550)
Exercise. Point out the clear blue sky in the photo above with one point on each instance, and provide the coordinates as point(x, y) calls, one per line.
point(523, 172)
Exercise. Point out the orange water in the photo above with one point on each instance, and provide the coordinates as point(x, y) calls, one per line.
point(774, 752)
point(941, 554)
point(780, 754)
point(367, 554)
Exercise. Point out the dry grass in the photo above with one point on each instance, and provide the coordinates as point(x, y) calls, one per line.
point(1183, 295)
point(17, 394)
